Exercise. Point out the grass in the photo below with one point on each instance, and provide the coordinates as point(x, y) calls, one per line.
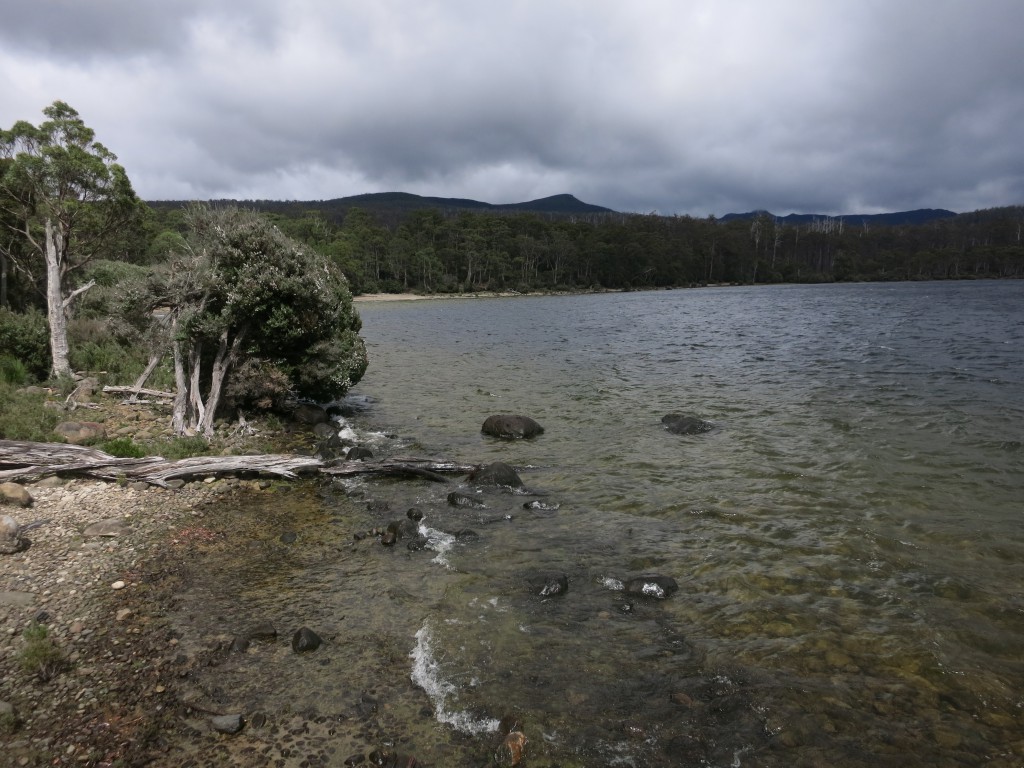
point(41, 656)
point(24, 415)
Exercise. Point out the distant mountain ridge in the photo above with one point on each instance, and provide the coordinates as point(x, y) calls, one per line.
point(898, 218)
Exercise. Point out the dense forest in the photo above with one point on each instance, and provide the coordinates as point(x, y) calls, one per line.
point(397, 243)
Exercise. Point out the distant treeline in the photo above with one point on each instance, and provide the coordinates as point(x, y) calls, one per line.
point(445, 250)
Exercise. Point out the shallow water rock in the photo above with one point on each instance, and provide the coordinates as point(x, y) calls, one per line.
point(457, 499)
point(510, 753)
point(543, 506)
point(511, 427)
point(13, 493)
point(658, 587)
point(498, 473)
point(325, 430)
point(552, 584)
point(228, 724)
point(305, 640)
point(264, 632)
point(681, 424)
point(358, 453)
point(308, 413)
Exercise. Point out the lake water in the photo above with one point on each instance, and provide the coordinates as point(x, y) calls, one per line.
point(848, 540)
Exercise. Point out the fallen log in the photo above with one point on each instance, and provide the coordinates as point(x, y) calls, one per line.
point(20, 460)
point(136, 392)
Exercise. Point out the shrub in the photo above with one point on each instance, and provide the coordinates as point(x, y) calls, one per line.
point(24, 416)
point(12, 370)
point(26, 337)
point(41, 656)
point(183, 448)
point(123, 448)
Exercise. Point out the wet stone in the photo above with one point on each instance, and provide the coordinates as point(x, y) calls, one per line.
point(658, 587)
point(227, 724)
point(305, 640)
point(457, 499)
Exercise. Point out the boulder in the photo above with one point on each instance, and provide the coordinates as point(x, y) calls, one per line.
point(658, 587)
point(497, 473)
point(552, 584)
point(308, 413)
point(681, 424)
point(511, 427)
point(457, 499)
point(305, 640)
point(325, 430)
point(12, 493)
point(112, 526)
point(10, 536)
point(358, 453)
point(81, 432)
point(228, 724)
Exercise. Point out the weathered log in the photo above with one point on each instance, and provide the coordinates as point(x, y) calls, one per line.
point(136, 392)
point(25, 461)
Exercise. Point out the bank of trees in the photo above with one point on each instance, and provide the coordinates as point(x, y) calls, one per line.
point(434, 251)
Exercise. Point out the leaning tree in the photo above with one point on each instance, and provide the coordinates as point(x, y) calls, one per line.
point(242, 298)
point(67, 198)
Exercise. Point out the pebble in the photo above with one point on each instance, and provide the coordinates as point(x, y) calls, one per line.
point(118, 585)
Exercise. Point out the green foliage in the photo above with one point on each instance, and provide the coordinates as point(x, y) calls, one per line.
point(24, 337)
point(41, 656)
point(123, 448)
point(12, 371)
point(24, 416)
point(183, 448)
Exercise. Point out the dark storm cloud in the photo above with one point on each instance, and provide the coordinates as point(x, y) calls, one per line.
point(697, 107)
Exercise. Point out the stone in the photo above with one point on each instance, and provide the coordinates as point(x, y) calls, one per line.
point(658, 587)
point(118, 585)
point(123, 614)
point(358, 453)
point(264, 632)
point(112, 526)
point(308, 413)
point(511, 427)
point(18, 599)
point(289, 537)
point(680, 424)
point(510, 753)
point(555, 584)
point(498, 473)
point(227, 724)
point(305, 640)
point(13, 493)
point(50, 482)
point(457, 499)
point(176, 483)
point(81, 432)
point(10, 536)
point(325, 430)
point(544, 506)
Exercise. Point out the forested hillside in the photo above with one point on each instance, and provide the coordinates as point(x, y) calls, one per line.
point(449, 246)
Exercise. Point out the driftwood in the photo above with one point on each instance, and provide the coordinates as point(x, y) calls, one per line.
point(27, 461)
point(135, 392)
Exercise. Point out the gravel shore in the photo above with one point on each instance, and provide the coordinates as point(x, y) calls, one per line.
point(87, 577)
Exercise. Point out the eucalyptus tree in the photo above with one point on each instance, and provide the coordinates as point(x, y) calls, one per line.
point(65, 195)
point(242, 296)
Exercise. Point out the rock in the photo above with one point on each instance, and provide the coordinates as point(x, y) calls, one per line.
point(554, 584)
point(680, 424)
point(13, 493)
point(239, 644)
point(264, 632)
point(308, 413)
point(544, 506)
point(258, 720)
point(358, 453)
point(498, 473)
point(305, 640)
point(19, 599)
point(511, 427)
point(457, 499)
point(112, 526)
point(325, 430)
point(123, 614)
point(467, 534)
point(658, 587)
point(49, 482)
point(10, 536)
point(228, 724)
point(118, 585)
point(176, 483)
point(81, 432)
point(414, 514)
point(510, 753)
point(289, 537)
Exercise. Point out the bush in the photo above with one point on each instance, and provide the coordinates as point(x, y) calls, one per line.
point(123, 448)
point(26, 338)
point(41, 656)
point(24, 416)
point(183, 448)
point(12, 370)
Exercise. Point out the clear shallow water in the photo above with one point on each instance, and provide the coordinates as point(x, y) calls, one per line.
point(848, 540)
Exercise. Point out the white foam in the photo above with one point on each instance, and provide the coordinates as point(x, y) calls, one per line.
point(440, 542)
point(427, 674)
point(609, 583)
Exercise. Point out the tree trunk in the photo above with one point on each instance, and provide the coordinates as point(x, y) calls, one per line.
point(61, 367)
point(221, 365)
point(181, 387)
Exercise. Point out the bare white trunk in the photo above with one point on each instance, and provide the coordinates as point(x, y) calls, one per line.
point(180, 393)
point(141, 381)
point(55, 302)
point(221, 365)
point(196, 409)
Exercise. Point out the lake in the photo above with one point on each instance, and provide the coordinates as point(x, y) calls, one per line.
point(847, 540)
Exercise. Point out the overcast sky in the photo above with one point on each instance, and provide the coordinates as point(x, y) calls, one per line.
point(690, 107)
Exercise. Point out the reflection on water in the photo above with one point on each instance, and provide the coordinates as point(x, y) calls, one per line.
point(847, 541)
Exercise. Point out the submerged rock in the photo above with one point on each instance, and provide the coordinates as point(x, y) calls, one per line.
point(554, 584)
point(498, 473)
point(229, 724)
point(457, 499)
point(358, 453)
point(658, 587)
point(544, 506)
point(680, 424)
point(305, 640)
point(511, 427)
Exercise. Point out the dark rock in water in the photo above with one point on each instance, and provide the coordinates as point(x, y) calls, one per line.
point(466, 534)
point(403, 529)
point(510, 753)
point(229, 724)
point(305, 640)
point(385, 758)
point(240, 644)
point(289, 537)
point(359, 453)
point(388, 538)
point(325, 430)
point(418, 544)
point(497, 473)
point(511, 427)
point(378, 505)
point(258, 720)
point(264, 632)
point(680, 424)
point(554, 585)
point(457, 499)
point(658, 587)
point(544, 506)
point(414, 514)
